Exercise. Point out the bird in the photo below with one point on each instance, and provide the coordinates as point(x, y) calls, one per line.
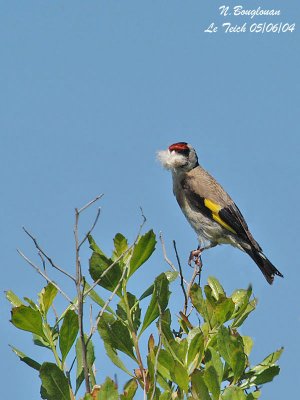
point(209, 209)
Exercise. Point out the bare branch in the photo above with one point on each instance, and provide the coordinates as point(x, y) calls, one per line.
point(44, 275)
point(46, 256)
point(43, 260)
point(144, 219)
point(90, 203)
point(165, 253)
point(91, 229)
point(78, 283)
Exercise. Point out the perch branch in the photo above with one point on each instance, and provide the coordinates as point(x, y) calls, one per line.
point(181, 279)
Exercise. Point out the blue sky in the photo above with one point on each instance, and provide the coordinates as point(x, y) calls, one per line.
point(91, 90)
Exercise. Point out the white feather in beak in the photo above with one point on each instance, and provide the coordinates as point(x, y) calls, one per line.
point(170, 159)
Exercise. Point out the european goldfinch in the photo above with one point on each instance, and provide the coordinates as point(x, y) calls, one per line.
point(208, 208)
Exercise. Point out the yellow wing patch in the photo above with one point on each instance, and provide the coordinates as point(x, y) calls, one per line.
point(215, 208)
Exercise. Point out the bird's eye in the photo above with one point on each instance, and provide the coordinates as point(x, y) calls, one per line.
point(184, 152)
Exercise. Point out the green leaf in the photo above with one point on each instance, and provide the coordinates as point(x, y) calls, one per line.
point(135, 310)
point(110, 279)
point(264, 372)
point(46, 297)
point(39, 341)
point(166, 364)
point(171, 276)
point(27, 360)
point(212, 359)
point(248, 344)
point(254, 395)
point(180, 376)
point(268, 361)
point(90, 355)
point(31, 303)
point(95, 297)
point(147, 292)
point(222, 312)
point(165, 396)
point(211, 380)
point(68, 333)
point(199, 302)
point(142, 251)
point(115, 333)
point(259, 378)
point(13, 299)
point(165, 321)
point(159, 300)
point(231, 349)
point(108, 391)
point(233, 393)
point(213, 372)
point(195, 351)
point(130, 389)
point(113, 355)
point(54, 383)
point(243, 305)
point(216, 287)
point(24, 317)
point(199, 388)
point(94, 246)
point(121, 245)
point(266, 376)
point(241, 298)
point(180, 348)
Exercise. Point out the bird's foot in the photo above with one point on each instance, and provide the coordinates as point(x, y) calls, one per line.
point(195, 256)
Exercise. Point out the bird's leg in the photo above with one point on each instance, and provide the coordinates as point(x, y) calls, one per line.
point(195, 255)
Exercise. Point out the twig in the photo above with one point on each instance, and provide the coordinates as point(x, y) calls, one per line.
point(94, 326)
point(46, 256)
point(196, 272)
point(80, 287)
point(43, 260)
point(90, 203)
point(92, 228)
point(181, 279)
point(165, 253)
point(157, 352)
point(80, 303)
point(44, 275)
point(106, 304)
point(85, 293)
point(91, 315)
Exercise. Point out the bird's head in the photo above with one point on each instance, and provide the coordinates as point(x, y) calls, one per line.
point(178, 157)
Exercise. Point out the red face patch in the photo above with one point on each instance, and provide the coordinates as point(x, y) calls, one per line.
point(180, 146)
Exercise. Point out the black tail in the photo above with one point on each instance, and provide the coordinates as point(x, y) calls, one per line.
point(266, 267)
